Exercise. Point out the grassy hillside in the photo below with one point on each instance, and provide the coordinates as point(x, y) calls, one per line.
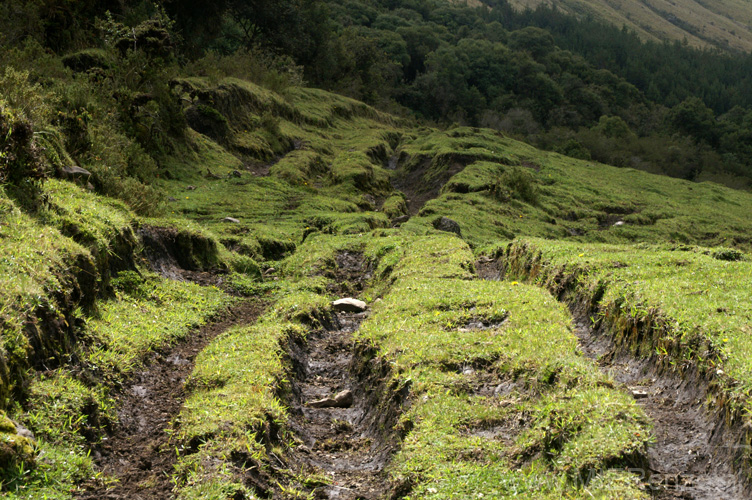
point(724, 24)
point(282, 201)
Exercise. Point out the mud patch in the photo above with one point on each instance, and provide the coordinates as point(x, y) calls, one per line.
point(169, 251)
point(349, 446)
point(504, 430)
point(418, 188)
point(489, 269)
point(684, 459)
point(138, 453)
point(350, 275)
point(481, 324)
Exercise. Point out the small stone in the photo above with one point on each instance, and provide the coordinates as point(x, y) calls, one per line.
point(75, 171)
point(349, 305)
point(639, 394)
point(231, 219)
point(269, 271)
point(400, 219)
point(190, 188)
point(619, 223)
point(448, 225)
point(343, 399)
point(23, 431)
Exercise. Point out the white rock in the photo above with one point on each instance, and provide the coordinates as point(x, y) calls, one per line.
point(349, 305)
point(639, 394)
point(231, 219)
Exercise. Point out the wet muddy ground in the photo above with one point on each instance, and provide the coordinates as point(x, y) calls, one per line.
point(138, 453)
point(684, 458)
point(342, 443)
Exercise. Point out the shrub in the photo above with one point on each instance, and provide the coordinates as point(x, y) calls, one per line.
point(519, 183)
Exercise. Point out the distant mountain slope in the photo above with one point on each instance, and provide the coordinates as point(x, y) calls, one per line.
point(725, 24)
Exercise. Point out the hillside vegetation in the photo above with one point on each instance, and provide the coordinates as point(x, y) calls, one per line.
point(723, 24)
point(176, 223)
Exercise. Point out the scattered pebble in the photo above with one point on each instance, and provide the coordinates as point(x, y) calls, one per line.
point(639, 394)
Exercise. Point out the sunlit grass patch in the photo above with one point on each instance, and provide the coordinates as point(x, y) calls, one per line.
point(233, 408)
point(699, 299)
point(503, 404)
point(508, 189)
point(57, 472)
point(146, 314)
point(233, 383)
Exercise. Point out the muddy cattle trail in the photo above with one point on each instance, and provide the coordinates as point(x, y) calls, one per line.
point(683, 458)
point(340, 411)
point(138, 452)
point(341, 442)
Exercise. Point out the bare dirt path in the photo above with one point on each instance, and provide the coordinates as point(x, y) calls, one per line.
point(345, 443)
point(138, 453)
point(350, 444)
point(684, 458)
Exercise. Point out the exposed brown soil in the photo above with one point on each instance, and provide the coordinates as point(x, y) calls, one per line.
point(419, 190)
point(344, 444)
point(685, 461)
point(348, 445)
point(259, 169)
point(350, 274)
point(138, 453)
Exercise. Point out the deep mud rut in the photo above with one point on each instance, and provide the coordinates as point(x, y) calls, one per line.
point(351, 445)
point(344, 444)
point(682, 458)
point(138, 452)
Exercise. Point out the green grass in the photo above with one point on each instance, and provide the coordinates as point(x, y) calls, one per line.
point(556, 420)
point(699, 304)
point(575, 422)
point(320, 186)
point(65, 413)
point(515, 190)
point(233, 408)
point(146, 314)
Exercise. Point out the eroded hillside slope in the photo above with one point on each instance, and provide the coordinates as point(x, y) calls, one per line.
point(276, 204)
